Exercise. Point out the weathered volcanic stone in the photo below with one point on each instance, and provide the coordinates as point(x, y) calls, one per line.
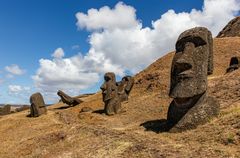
point(38, 106)
point(110, 94)
point(5, 110)
point(232, 29)
point(125, 87)
point(67, 99)
point(234, 64)
point(191, 64)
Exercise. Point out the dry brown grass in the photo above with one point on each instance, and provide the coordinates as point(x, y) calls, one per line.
point(64, 133)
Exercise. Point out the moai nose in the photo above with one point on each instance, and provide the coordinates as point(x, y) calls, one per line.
point(183, 65)
point(103, 87)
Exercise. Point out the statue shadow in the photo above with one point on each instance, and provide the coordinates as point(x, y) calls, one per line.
point(63, 107)
point(28, 115)
point(101, 111)
point(157, 126)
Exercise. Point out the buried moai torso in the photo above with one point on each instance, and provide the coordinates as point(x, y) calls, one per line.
point(125, 87)
point(5, 110)
point(110, 94)
point(234, 64)
point(67, 99)
point(191, 64)
point(38, 106)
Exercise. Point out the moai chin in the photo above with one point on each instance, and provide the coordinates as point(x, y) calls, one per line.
point(191, 64)
point(233, 65)
point(110, 94)
point(67, 99)
point(125, 87)
point(38, 106)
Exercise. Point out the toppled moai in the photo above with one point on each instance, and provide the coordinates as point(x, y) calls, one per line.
point(38, 106)
point(192, 62)
point(67, 99)
point(125, 87)
point(5, 110)
point(233, 65)
point(110, 94)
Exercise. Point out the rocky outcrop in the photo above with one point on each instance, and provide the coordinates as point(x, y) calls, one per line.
point(232, 29)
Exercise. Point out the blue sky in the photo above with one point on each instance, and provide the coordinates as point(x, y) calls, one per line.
point(33, 30)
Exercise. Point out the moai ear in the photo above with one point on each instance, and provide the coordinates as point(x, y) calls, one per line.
point(210, 55)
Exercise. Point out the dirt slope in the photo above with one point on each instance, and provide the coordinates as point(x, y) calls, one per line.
point(64, 132)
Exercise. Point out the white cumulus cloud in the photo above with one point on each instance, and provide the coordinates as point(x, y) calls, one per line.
point(119, 42)
point(58, 53)
point(20, 93)
point(122, 17)
point(14, 69)
point(15, 89)
point(64, 73)
point(117, 36)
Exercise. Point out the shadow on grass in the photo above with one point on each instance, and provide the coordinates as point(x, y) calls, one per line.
point(63, 107)
point(101, 111)
point(28, 115)
point(157, 126)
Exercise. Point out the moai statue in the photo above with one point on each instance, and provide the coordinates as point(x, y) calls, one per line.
point(38, 106)
point(5, 110)
point(110, 94)
point(67, 99)
point(234, 64)
point(191, 64)
point(125, 87)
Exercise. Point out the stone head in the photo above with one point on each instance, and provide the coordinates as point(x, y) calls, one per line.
point(109, 86)
point(37, 100)
point(234, 61)
point(128, 81)
point(191, 64)
point(234, 64)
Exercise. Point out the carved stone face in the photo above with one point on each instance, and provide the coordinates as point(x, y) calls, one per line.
point(190, 65)
point(109, 88)
point(234, 64)
point(129, 81)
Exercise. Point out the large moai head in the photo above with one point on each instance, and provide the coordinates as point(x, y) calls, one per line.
point(191, 64)
point(193, 61)
point(109, 86)
point(38, 106)
point(234, 64)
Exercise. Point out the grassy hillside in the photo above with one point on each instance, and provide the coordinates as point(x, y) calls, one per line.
point(64, 132)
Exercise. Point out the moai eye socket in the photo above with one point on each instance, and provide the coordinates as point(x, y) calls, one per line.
point(179, 48)
point(107, 78)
